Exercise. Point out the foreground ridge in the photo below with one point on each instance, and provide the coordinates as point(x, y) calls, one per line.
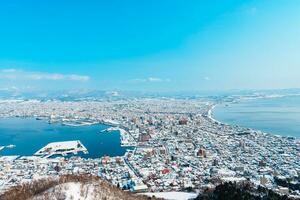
point(69, 187)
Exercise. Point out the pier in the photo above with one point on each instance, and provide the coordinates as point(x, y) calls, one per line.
point(61, 148)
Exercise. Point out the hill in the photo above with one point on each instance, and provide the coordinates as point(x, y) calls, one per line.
point(70, 187)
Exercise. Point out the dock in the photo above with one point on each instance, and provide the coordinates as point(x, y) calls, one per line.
point(61, 148)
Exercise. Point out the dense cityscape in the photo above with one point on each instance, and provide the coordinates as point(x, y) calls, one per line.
point(176, 146)
point(150, 100)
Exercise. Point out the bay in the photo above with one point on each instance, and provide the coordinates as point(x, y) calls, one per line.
point(29, 135)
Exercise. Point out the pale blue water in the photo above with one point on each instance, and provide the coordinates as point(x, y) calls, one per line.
point(280, 116)
point(29, 135)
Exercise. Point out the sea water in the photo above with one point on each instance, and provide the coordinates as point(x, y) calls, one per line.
point(29, 135)
point(280, 116)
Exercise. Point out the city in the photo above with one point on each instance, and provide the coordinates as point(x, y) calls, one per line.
point(178, 146)
point(150, 100)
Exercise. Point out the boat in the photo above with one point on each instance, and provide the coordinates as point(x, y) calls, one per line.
point(40, 118)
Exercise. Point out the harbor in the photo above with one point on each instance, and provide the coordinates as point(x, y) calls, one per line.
point(40, 133)
point(62, 149)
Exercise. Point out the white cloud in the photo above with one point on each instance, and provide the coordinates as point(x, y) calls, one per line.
point(8, 70)
point(149, 80)
point(207, 78)
point(15, 74)
point(154, 79)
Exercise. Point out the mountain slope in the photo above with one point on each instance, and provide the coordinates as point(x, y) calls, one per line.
point(69, 187)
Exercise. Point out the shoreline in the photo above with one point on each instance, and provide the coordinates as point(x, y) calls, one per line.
point(210, 114)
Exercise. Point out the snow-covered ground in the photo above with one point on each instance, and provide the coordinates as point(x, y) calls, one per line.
point(77, 191)
point(92, 190)
point(173, 195)
point(70, 191)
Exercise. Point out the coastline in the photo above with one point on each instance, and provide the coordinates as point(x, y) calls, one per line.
point(214, 120)
point(210, 114)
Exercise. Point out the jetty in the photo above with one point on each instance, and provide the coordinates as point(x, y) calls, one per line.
point(61, 148)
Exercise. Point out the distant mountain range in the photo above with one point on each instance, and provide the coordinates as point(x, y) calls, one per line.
point(83, 94)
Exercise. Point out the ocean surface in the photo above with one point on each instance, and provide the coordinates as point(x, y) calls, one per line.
point(280, 116)
point(29, 135)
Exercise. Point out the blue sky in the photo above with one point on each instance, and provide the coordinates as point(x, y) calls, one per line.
point(169, 45)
